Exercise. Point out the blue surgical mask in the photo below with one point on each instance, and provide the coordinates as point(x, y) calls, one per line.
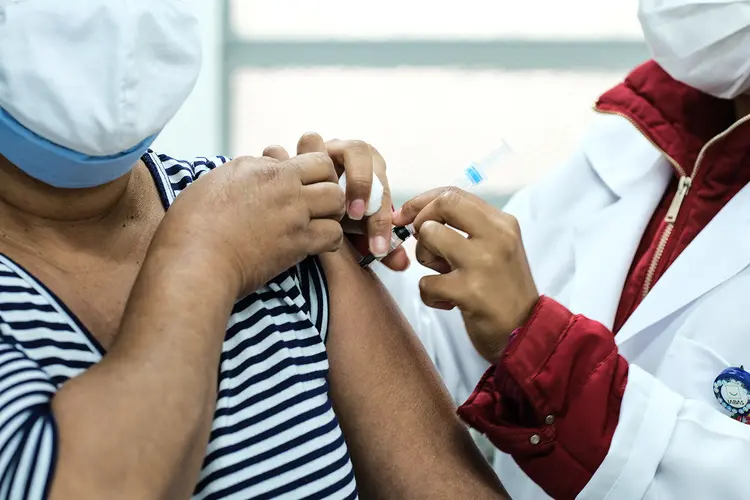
point(86, 86)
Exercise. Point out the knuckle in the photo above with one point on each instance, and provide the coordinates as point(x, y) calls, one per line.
point(358, 145)
point(324, 159)
point(428, 229)
point(310, 136)
point(485, 259)
point(473, 292)
point(376, 154)
point(450, 195)
point(338, 237)
point(311, 139)
point(331, 236)
point(512, 224)
point(386, 195)
point(411, 208)
point(270, 172)
point(339, 198)
point(380, 222)
point(359, 185)
point(424, 287)
point(509, 248)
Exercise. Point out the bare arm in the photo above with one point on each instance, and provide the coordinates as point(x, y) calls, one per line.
point(400, 424)
point(137, 424)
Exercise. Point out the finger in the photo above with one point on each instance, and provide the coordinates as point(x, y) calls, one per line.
point(411, 208)
point(324, 235)
point(458, 209)
point(398, 260)
point(311, 142)
point(356, 158)
point(430, 260)
point(380, 224)
point(379, 228)
point(443, 242)
point(314, 167)
point(439, 291)
point(325, 200)
point(276, 152)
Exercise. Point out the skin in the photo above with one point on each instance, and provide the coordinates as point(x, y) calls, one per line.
point(371, 234)
point(486, 275)
point(148, 406)
point(113, 256)
point(393, 408)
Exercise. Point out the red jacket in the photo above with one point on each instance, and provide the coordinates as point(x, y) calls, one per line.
point(553, 400)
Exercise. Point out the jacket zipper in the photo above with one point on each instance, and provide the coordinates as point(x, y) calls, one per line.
point(683, 188)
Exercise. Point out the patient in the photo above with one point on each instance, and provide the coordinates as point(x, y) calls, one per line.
point(164, 330)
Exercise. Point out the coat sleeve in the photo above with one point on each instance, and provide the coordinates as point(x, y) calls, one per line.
point(582, 423)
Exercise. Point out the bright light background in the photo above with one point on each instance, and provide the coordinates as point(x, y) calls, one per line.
point(467, 19)
point(428, 122)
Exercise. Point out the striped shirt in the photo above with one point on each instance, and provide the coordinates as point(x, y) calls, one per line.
point(274, 433)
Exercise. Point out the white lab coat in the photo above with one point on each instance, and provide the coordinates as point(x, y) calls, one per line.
point(581, 227)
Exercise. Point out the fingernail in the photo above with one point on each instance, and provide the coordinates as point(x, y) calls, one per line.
point(357, 209)
point(379, 246)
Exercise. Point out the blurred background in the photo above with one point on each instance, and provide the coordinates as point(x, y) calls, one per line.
point(433, 85)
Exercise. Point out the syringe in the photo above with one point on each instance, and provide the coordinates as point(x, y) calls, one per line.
point(471, 177)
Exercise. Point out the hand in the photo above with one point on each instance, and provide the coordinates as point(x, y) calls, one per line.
point(359, 160)
point(486, 275)
point(260, 215)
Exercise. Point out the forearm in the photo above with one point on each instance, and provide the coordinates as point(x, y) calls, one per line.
point(136, 425)
point(399, 422)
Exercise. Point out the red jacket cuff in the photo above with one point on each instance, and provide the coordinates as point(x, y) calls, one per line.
point(553, 399)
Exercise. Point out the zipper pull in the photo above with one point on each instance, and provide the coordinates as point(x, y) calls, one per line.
point(682, 190)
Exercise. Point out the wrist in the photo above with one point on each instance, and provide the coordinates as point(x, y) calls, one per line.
point(499, 343)
point(198, 252)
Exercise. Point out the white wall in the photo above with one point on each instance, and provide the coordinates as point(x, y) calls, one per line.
point(195, 129)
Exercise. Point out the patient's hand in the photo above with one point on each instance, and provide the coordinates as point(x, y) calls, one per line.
point(361, 162)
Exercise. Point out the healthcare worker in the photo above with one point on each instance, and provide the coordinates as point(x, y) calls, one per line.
point(625, 379)
point(174, 328)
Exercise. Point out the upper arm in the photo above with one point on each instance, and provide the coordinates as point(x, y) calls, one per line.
point(399, 422)
point(28, 436)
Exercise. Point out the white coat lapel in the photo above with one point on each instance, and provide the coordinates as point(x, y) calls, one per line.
point(605, 244)
point(606, 241)
point(719, 252)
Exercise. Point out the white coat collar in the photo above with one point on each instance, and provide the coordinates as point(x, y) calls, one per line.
point(618, 152)
point(606, 241)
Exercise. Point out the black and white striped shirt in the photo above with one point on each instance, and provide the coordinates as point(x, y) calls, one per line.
point(274, 434)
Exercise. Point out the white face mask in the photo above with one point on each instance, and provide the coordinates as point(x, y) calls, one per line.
point(87, 85)
point(702, 43)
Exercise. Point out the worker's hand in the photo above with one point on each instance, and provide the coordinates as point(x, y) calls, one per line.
point(486, 275)
point(360, 161)
point(259, 216)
